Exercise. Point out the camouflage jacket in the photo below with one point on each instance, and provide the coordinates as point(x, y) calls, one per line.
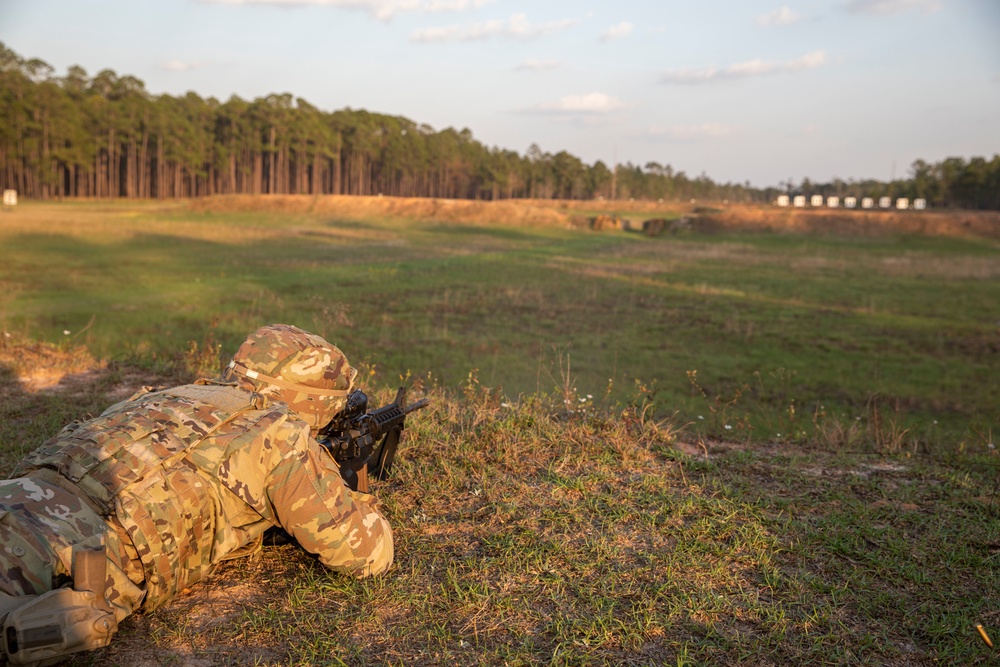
point(181, 478)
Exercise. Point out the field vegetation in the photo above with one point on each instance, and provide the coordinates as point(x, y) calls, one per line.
point(772, 334)
point(767, 443)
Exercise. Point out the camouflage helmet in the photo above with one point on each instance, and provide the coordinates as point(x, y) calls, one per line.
point(296, 367)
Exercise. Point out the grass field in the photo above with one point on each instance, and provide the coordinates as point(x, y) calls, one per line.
point(717, 447)
point(757, 337)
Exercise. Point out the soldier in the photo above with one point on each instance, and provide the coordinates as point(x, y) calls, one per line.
point(121, 512)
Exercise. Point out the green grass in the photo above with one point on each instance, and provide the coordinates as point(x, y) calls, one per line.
point(534, 524)
point(772, 318)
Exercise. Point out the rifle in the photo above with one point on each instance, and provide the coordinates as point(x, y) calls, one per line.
point(353, 437)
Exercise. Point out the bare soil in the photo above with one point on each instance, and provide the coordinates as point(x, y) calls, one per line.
point(37, 366)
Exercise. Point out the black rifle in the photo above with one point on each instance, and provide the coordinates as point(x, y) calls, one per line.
point(364, 443)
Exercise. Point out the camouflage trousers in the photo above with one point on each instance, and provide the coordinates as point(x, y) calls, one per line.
point(41, 525)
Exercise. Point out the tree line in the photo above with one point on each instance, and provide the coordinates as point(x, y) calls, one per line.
point(107, 136)
point(952, 183)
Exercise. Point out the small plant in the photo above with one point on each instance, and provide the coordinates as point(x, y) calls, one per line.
point(834, 433)
point(989, 445)
point(725, 419)
point(885, 430)
point(573, 403)
point(204, 359)
point(566, 386)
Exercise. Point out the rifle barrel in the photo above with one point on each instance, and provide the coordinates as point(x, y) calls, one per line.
point(416, 406)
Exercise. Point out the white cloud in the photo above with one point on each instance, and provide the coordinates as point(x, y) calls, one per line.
point(590, 104)
point(451, 5)
point(808, 61)
point(181, 66)
point(516, 27)
point(692, 132)
point(534, 65)
point(614, 32)
point(890, 7)
point(381, 9)
point(782, 16)
point(745, 69)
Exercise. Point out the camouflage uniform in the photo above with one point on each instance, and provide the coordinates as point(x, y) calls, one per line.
point(173, 481)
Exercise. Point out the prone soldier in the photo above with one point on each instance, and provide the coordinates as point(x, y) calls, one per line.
point(119, 513)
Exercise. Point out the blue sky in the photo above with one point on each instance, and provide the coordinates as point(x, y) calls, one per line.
point(754, 90)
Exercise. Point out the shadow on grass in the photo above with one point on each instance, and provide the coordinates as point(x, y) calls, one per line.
point(28, 418)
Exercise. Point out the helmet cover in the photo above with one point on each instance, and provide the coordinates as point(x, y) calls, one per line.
point(296, 367)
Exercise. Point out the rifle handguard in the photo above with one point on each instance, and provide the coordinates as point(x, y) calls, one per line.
point(364, 442)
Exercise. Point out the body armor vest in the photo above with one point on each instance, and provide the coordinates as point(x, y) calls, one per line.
point(141, 462)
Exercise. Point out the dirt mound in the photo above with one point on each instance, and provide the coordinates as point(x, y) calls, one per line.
point(31, 367)
point(616, 206)
point(984, 224)
point(440, 210)
point(563, 213)
point(38, 365)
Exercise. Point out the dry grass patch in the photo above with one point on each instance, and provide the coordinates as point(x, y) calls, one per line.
point(95, 223)
point(414, 208)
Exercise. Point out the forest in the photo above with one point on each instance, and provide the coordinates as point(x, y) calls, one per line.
point(106, 136)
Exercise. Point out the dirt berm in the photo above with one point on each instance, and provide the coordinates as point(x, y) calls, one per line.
point(983, 224)
point(511, 212)
point(561, 213)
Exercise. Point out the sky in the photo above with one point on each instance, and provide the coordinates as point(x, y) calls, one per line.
point(741, 90)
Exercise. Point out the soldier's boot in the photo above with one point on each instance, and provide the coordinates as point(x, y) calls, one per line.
point(42, 630)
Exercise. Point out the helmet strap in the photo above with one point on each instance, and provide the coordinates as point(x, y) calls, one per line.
point(240, 369)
